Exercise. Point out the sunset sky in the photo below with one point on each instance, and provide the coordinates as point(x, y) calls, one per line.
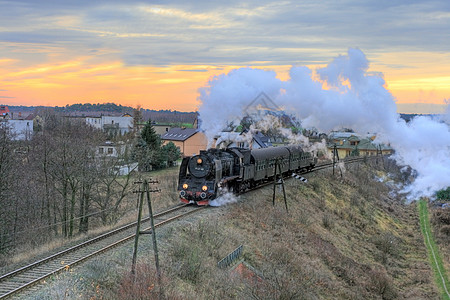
point(158, 53)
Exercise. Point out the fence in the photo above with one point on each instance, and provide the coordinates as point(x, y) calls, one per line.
point(228, 260)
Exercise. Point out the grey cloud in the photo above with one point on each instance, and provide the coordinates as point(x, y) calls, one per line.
point(239, 32)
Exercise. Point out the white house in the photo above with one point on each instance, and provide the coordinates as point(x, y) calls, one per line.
point(122, 124)
point(20, 130)
point(95, 122)
point(110, 149)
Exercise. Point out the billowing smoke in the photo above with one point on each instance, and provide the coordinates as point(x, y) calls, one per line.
point(342, 94)
point(224, 199)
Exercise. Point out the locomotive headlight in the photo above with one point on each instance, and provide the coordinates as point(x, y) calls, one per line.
point(185, 186)
point(204, 188)
point(199, 161)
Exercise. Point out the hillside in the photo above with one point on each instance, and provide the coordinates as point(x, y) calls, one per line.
point(343, 238)
point(88, 109)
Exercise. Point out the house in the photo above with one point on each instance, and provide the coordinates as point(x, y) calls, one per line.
point(4, 112)
point(117, 125)
point(350, 144)
point(110, 149)
point(242, 139)
point(161, 129)
point(20, 130)
point(111, 124)
point(95, 122)
point(189, 140)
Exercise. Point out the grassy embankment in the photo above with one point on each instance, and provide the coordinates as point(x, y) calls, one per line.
point(433, 251)
point(343, 238)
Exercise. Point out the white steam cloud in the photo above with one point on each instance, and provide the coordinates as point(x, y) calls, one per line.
point(224, 199)
point(353, 98)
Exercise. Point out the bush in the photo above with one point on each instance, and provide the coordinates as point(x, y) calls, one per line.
point(381, 284)
point(388, 244)
point(142, 285)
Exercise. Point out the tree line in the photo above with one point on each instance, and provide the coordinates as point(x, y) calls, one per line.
point(57, 186)
point(160, 116)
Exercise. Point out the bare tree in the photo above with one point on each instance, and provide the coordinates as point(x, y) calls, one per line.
point(111, 188)
point(6, 198)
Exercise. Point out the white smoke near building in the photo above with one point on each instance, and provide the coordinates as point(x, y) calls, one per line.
point(225, 98)
point(342, 94)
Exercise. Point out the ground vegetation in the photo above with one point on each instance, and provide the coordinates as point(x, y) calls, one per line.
point(344, 237)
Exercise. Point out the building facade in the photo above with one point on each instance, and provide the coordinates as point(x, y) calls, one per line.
point(189, 140)
point(349, 144)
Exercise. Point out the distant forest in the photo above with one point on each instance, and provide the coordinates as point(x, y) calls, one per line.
point(159, 116)
point(88, 109)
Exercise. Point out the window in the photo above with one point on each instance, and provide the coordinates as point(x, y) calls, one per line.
point(100, 150)
point(110, 150)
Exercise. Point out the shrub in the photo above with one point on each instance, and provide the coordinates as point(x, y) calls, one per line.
point(388, 244)
point(381, 284)
point(142, 285)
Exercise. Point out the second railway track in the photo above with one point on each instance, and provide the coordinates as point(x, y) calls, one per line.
point(19, 280)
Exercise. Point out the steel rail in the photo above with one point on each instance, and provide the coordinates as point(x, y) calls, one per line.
point(111, 245)
point(316, 168)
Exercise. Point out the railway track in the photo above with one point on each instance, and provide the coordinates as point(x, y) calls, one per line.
point(316, 168)
point(345, 161)
point(17, 281)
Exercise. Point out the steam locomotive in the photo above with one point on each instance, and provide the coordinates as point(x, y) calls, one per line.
point(205, 176)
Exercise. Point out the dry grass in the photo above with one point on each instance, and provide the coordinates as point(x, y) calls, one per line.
point(343, 238)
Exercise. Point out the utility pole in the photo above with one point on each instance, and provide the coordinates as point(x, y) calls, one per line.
point(335, 156)
point(278, 182)
point(145, 189)
point(336, 159)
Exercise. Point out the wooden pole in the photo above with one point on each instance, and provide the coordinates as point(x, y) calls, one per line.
point(275, 183)
point(155, 246)
point(145, 189)
point(334, 157)
point(138, 228)
point(284, 191)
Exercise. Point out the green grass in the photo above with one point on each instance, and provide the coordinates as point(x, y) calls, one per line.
point(433, 251)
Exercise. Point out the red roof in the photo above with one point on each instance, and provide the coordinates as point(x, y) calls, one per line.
point(4, 110)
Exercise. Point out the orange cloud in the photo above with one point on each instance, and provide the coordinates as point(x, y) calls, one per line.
point(416, 76)
point(176, 87)
point(173, 87)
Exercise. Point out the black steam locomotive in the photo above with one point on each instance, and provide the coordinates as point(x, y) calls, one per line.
point(204, 176)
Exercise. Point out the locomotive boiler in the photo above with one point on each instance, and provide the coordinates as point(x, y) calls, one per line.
point(205, 176)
